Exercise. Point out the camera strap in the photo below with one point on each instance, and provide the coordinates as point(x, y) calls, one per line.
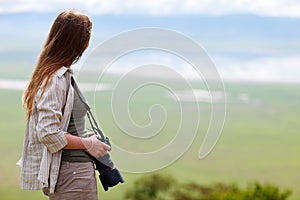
point(109, 174)
point(90, 115)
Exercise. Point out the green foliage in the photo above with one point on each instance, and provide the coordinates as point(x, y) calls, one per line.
point(193, 191)
point(162, 187)
point(151, 187)
point(257, 191)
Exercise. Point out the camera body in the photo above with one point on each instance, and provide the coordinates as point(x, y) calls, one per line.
point(109, 174)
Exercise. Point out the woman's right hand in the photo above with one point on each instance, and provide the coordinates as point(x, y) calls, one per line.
point(95, 147)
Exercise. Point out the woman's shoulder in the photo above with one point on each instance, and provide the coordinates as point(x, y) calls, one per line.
point(63, 71)
point(62, 76)
point(58, 83)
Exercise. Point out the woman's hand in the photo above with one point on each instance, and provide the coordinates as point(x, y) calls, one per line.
point(94, 146)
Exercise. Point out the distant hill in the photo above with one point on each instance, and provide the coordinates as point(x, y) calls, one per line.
point(234, 37)
point(230, 27)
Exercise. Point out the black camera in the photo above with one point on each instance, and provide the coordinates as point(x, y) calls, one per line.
point(109, 174)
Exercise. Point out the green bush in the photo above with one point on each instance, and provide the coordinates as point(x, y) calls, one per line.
point(163, 187)
point(151, 187)
point(193, 191)
point(256, 191)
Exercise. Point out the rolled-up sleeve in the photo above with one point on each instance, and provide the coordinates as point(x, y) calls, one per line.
point(50, 108)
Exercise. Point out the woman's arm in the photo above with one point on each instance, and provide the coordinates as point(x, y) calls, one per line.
point(92, 145)
point(49, 106)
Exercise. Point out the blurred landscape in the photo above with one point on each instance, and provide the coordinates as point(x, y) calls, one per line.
point(257, 58)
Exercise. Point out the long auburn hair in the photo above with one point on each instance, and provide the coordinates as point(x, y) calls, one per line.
point(67, 40)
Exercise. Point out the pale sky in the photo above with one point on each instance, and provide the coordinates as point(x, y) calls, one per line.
point(275, 8)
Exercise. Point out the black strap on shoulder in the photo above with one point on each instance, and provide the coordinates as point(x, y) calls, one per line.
point(90, 115)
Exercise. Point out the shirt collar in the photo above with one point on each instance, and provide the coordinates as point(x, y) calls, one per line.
point(61, 71)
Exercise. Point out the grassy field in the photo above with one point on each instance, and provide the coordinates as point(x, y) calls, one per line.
point(260, 141)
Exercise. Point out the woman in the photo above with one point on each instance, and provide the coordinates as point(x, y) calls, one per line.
point(57, 149)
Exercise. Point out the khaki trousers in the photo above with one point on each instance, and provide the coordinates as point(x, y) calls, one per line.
point(76, 180)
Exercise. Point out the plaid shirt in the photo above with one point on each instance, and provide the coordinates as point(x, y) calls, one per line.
point(45, 133)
